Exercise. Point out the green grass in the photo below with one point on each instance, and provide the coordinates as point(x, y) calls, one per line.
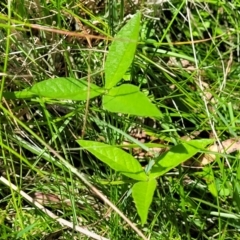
point(186, 62)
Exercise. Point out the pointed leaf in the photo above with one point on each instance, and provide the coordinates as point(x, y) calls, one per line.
point(177, 155)
point(142, 193)
point(116, 158)
point(65, 88)
point(128, 99)
point(121, 52)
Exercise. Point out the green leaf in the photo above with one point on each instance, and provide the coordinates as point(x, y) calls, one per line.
point(128, 99)
point(121, 52)
point(18, 94)
point(65, 88)
point(142, 193)
point(115, 158)
point(176, 155)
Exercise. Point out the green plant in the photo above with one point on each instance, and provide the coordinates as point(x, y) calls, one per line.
point(143, 189)
point(126, 99)
point(186, 63)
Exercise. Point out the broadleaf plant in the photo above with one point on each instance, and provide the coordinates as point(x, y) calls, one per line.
point(121, 52)
point(118, 98)
point(116, 158)
point(124, 163)
point(176, 156)
point(127, 98)
point(142, 193)
point(66, 88)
